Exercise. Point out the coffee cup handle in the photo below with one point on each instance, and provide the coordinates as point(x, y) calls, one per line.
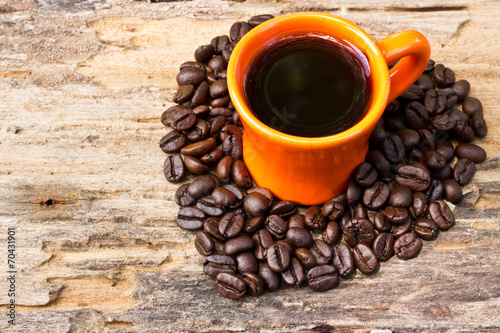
point(412, 50)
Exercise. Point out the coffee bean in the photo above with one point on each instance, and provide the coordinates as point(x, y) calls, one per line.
point(443, 174)
point(184, 94)
point(452, 190)
point(435, 191)
point(462, 88)
point(343, 221)
point(414, 175)
point(376, 195)
point(204, 243)
point(365, 259)
point(443, 122)
point(353, 192)
point(434, 160)
point(430, 66)
point(217, 263)
point(204, 53)
point(220, 112)
point(276, 226)
point(297, 221)
point(212, 158)
point(365, 175)
point(393, 148)
point(181, 118)
point(383, 246)
point(211, 77)
point(409, 137)
point(190, 218)
point(332, 210)
point(191, 75)
point(182, 197)
point(378, 135)
point(231, 223)
point(416, 115)
point(172, 142)
point(219, 42)
point(258, 19)
point(227, 51)
point(396, 215)
point(425, 228)
point(443, 76)
point(471, 151)
point(358, 211)
point(253, 224)
point(270, 279)
point(232, 146)
point(407, 246)
point(192, 64)
point(299, 237)
point(264, 191)
point(425, 82)
point(380, 222)
point(255, 285)
point(195, 166)
point(359, 230)
point(240, 174)
point(278, 257)
point(238, 245)
point(216, 63)
point(202, 186)
point(211, 227)
point(441, 214)
point(427, 139)
point(314, 219)
point(321, 252)
point(230, 285)
point(229, 130)
point(238, 30)
point(223, 197)
point(464, 133)
point(398, 230)
point(445, 148)
point(218, 88)
point(216, 125)
point(306, 257)
point(478, 125)
point(238, 194)
point(166, 115)
point(221, 103)
point(256, 204)
point(378, 160)
point(174, 168)
point(417, 155)
point(246, 262)
point(283, 209)
point(200, 131)
point(209, 206)
point(224, 169)
point(400, 196)
point(472, 105)
point(332, 233)
point(262, 240)
point(343, 260)
point(322, 278)
point(201, 111)
point(199, 148)
point(464, 171)
point(294, 276)
point(413, 93)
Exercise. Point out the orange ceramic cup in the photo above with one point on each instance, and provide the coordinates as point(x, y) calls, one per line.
point(312, 170)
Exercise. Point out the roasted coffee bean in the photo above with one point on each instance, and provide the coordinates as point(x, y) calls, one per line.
point(407, 246)
point(182, 197)
point(165, 116)
point(464, 133)
point(358, 211)
point(222, 196)
point(299, 237)
point(459, 116)
point(204, 243)
point(409, 137)
point(478, 125)
point(381, 223)
point(343, 260)
point(238, 194)
point(204, 53)
point(201, 111)
point(216, 63)
point(209, 206)
point(332, 233)
point(418, 207)
point(238, 245)
point(445, 148)
point(383, 246)
point(190, 218)
point(435, 191)
point(430, 66)
point(451, 97)
point(232, 146)
point(365, 259)
point(231, 223)
point(191, 75)
point(425, 228)
point(434, 160)
point(413, 93)
point(443, 76)
point(441, 214)
point(376, 195)
point(305, 257)
point(211, 227)
point(417, 155)
point(359, 230)
point(240, 174)
point(255, 285)
point(365, 175)
point(427, 139)
point(238, 30)
point(200, 96)
point(393, 148)
point(212, 158)
point(452, 190)
point(400, 196)
point(283, 209)
point(220, 42)
point(396, 215)
point(172, 142)
point(472, 105)
point(378, 160)
point(218, 88)
point(195, 166)
point(286, 245)
point(253, 224)
point(199, 148)
point(398, 230)
point(218, 263)
point(414, 175)
point(471, 151)
point(227, 51)
point(192, 64)
point(258, 19)
point(181, 118)
point(443, 122)
point(202, 186)
point(392, 107)
point(224, 169)
point(211, 77)
point(353, 192)
point(462, 88)
point(343, 221)
point(332, 210)
point(229, 130)
point(321, 252)
point(256, 204)
point(230, 285)
point(220, 112)
point(200, 131)
point(270, 279)
point(216, 125)
point(276, 226)
point(278, 257)
point(322, 278)
point(262, 240)
point(235, 119)
point(425, 82)
point(435, 101)
point(378, 135)
point(314, 219)
point(294, 276)
point(395, 122)
point(184, 94)
point(246, 262)
point(444, 173)
point(174, 168)
point(416, 115)
point(464, 171)
point(297, 221)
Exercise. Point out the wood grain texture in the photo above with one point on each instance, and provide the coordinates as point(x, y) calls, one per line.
point(82, 87)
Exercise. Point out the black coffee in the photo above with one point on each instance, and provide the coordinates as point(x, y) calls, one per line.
point(309, 86)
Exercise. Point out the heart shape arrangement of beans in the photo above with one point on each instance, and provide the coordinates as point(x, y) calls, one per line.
point(394, 200)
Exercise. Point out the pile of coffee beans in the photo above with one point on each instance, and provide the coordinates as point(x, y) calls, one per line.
point(394, 200)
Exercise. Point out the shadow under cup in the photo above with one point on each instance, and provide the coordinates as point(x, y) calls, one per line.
point(306, 170)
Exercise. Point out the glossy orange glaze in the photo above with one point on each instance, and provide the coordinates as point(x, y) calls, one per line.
point(312, 170)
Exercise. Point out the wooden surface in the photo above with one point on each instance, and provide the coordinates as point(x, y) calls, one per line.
point(82, 86)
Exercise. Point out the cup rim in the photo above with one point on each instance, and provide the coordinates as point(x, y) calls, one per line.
point(376, 63)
